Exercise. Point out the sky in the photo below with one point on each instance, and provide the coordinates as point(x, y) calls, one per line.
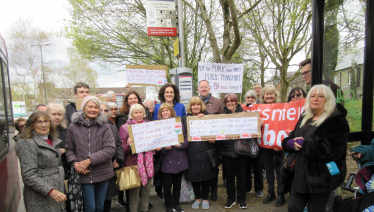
point(48, 15)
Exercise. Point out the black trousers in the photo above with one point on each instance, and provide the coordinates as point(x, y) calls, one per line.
point(316, 202)
point(202, 193)
point(273, 162)
point(235, 167)
point(256, 163)
point(214, 183)
point(107, 205)
point(170, 180)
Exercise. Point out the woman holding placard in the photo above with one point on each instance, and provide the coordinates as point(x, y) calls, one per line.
point(320, 143)
point(173, 164)
point(273, 158)
point(233, 164)
point(169, 94)
point(200, 172)
point(143, 160)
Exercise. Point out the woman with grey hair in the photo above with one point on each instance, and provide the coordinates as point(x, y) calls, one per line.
point(113, 107)
point(150, 104)
point(111, 96)
point(319, 139)
point(255, 163)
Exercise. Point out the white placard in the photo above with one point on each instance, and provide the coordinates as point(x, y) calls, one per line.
point(222, 78)
point(144, 76)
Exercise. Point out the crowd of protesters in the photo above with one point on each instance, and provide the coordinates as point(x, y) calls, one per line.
point(89, 143)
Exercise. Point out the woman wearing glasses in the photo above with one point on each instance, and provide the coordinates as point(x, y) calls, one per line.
point(41, 166)
point(296, 94)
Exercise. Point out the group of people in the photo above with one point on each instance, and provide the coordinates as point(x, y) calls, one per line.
point(89, 143)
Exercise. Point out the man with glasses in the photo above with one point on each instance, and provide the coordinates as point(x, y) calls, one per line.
point(81, 90)
point(257, 88)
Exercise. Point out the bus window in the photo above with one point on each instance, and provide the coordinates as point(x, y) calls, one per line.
point(3, 118)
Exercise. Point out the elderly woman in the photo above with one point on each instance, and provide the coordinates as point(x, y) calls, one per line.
point(200, 172)
point(320, 136)
point(169, 94)
point(233, 165)
point(41, 166)
point(117, 160)
point(113, 107)
point(90, 147)
point(111, 96)
point(273, 158)
point(150, 105)
point(132, 97)
point(296, 94)
point(143, 160)
point(255, 163)
point(173, 164)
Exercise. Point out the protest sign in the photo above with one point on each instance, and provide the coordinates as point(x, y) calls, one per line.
point(279, 120)
point(78, 101)
point(146, 74)
point(224, 126)
point(153, 134)
point(222, 78)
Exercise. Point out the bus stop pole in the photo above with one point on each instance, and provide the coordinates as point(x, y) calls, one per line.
point(182, 63)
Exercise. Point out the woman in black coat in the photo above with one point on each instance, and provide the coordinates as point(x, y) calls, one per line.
point(200, 171)
point(232, 164)
point(320, 137)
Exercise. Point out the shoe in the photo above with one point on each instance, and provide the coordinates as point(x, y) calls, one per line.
point(229, 204)
point(196, 204)
point(150, 206)
point(259, 194)
point(280, 200)
point(121, 203)
point(242, 205)
point(205, 205)
point(177, 208)
point(214, 196)
point(160, 194)
point(169, 209)
point(270, 197)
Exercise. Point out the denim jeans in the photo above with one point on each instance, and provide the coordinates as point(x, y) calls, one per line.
point(94, 196)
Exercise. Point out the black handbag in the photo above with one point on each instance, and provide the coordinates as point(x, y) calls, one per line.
point(213, 155)
point(289, 163)
point(246, 147)
point(350, 204)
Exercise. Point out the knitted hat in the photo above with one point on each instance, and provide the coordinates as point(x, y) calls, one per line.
point(94, 99)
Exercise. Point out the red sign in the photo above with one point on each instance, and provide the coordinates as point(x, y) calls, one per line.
point(196, 138)
point(245, 135)
point(220, 137)
point(279, 120)
point(162, 31)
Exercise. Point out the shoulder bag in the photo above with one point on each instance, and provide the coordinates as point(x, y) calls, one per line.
point(128, 177)
point(246, 147)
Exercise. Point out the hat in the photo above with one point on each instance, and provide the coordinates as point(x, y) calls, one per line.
point(94, 99)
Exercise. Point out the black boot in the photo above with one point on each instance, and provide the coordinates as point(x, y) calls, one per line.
point(214, 196)
point(280, 200)
point(271, 197)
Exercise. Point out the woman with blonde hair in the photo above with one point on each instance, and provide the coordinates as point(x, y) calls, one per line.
point(173, 164)
point(270, 95)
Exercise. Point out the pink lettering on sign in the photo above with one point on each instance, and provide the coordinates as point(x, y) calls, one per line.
point(196, 138)
point(245, 135)
point(220, 137)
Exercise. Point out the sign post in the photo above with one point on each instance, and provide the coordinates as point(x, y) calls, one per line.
point(161, 18)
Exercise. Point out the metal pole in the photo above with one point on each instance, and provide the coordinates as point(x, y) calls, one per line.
point(45, 90)
point(368, 79)
point(181, 33)
point(318, 8)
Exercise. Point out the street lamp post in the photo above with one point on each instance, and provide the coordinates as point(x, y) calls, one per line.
point(41, 57)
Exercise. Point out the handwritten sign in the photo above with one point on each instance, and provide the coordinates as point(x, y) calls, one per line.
point(146, 75)
point(224, 126)
point(160, 133)
point(222, 78)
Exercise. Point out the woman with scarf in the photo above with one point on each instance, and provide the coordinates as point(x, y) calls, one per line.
point(143, 160)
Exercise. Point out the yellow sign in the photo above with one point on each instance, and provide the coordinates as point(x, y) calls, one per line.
point(176, 47)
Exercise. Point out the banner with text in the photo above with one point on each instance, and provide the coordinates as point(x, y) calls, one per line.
point(279, 120)
point(222, 78)
point(224, 126)
point(153, 134)
point(146, 74)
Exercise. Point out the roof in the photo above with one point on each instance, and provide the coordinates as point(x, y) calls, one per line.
point(347, 60)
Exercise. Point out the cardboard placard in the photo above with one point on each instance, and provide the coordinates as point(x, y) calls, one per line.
point(224, 126)
point(153, 134)
point(145, 74)
point(78, 101)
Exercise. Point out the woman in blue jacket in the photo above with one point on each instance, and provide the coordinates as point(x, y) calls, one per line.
point(169, 94)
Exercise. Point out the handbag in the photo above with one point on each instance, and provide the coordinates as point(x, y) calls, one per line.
point(350, 204)
point(289, 163)
point(246, 147)
point(213, 155)
point(128, 177)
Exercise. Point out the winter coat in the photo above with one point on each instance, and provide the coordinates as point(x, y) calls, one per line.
point(199, 168)
point(367, 162)
point(62, 136)
point(91, 139)
point(226, 147)
point(70, 110)
point(175, 159)
point(42, 171)
point(328, 143)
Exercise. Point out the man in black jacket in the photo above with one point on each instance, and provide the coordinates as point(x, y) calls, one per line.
point(81, 90)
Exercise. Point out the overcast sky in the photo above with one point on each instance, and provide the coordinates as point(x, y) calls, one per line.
point(49, 15)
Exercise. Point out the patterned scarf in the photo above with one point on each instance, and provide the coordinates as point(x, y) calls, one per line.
point(145, 171)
